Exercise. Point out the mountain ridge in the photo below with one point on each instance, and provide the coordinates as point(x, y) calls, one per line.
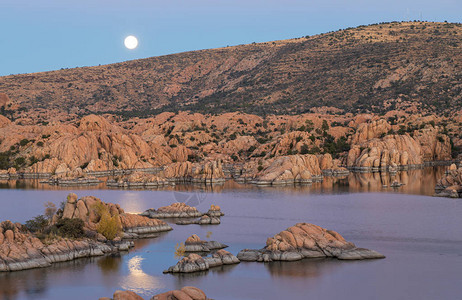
point(412, 66)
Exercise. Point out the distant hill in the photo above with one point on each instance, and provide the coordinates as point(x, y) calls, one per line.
point(412, 65)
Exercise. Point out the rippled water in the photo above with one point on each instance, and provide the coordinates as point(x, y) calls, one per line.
point(420, 235)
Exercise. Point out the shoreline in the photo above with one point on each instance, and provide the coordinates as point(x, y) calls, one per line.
point(231, 175)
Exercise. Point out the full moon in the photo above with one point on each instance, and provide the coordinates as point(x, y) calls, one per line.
point(131, 42)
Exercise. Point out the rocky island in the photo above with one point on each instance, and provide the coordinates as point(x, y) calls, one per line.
point(307, 241)
point(189, 213)
point(85, 227)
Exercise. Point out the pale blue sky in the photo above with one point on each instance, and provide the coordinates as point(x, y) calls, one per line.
point(41, 35)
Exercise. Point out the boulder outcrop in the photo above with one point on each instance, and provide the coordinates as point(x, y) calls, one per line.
point(451, 184)
point(185, 293)
point(373, 150)
point(208, 172)
point(86, 209)
point(289, 170)
point(307, 241)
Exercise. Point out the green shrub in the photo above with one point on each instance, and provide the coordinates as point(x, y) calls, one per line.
point(71, 228)
point(37, 224)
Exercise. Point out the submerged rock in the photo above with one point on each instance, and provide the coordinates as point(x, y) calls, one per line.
point(195, 263)
point(307, 241)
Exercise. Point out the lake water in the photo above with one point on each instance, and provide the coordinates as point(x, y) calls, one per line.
point(420, 235)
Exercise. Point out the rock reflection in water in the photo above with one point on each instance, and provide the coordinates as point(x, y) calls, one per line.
point(417, 181)
point(137, 280)
point(35, 282)
point(307, 268)
point(184, 279)
point(110, 264)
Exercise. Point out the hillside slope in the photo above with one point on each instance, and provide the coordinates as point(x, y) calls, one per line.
point(405, 66)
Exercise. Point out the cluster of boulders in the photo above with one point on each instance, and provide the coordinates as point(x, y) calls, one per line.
point(185, 293)
point(210, 172)
point(451, 184)
point(11, 173)
point(195, 244)
point(211, 217)
point(307, 241)
point(195, 263)
point(66, 177)
point(374, 149)
point(293, 169)
point(20, 249)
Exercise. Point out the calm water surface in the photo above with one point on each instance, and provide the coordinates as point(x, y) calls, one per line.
point(420, 235)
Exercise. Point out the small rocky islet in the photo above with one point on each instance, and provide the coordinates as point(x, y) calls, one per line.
point(195, 263)
point(189, 214)
point(201, 255)
point(195, 244)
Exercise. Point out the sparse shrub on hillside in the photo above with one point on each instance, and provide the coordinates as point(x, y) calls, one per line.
point(5, 160)
point(19, 162)
point(24, 142)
